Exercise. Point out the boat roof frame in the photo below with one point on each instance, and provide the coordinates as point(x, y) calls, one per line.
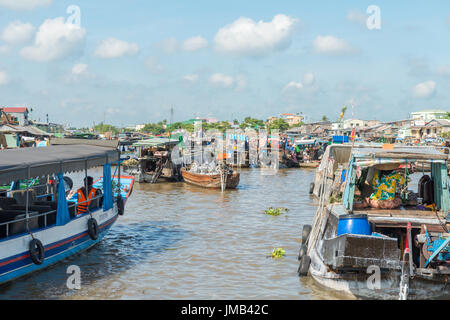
point(23, 163)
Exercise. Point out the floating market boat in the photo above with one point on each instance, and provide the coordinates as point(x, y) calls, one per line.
point(215, 181)
point(154, 161)
point(38, 231)
point(374, 248)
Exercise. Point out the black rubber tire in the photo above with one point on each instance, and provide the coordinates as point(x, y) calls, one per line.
point(303, 268)
point(120, 205)
point(39, 257)
point(311, 188)
point(93, 228)
point(302, 252)
point(306, 230)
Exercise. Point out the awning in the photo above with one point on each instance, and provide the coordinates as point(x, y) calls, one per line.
point(14, 164)
point(156, 142)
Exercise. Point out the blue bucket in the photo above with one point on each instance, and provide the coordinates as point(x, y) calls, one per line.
point(354, 224)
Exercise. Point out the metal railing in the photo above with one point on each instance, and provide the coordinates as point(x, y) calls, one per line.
point(45, 215)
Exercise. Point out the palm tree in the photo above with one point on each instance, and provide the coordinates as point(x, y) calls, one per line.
point(343, 112)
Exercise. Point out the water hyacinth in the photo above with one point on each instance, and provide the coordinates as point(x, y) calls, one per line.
point(278, 253)
point(275, 212)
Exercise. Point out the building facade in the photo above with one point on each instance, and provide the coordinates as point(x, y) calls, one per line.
point(428, 115)
point(18, 115)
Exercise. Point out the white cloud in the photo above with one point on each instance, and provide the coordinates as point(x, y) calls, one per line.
point(169, 45)
point(4, 79)
point(309, 79)
point(55, 40)
point(114, 48)
point(293, 85)
point(194, 43)
point(153, 65)
point(17, 32)
point(247, 37)
point(79, 68)
point(424, 90)
point(221, 80)
point(191, 77)
point(331, 45)
point(241, 82)
point(357, 17)
point(4, 49)
point(24, 4)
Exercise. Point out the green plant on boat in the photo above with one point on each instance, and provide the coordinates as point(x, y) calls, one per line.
point(278, 253)
point(275, 212)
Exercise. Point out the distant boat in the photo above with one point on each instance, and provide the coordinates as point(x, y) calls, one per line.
point(212, 181)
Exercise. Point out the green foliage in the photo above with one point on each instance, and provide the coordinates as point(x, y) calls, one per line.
point(221, 126)
point(278, 253)
point(103, 128)
point(275, 212)
point(253, 123)
point(324, 118)
point(154, 128)
point(279, 124)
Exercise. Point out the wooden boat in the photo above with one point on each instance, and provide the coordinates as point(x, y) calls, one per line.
point(212, 181)
point(399, 253)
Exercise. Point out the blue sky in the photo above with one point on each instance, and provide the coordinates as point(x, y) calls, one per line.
point(129, 61)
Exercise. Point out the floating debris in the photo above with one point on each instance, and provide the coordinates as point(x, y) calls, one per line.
point(278, 253)
point(275, 212)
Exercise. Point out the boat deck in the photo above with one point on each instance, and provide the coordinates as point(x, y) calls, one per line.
point(395, 217)
point(401, 216)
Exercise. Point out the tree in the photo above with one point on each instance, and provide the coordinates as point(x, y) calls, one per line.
point(102, 128)
point(324, 118)
point(253, 123)
point(279, 124)
point(344, 109)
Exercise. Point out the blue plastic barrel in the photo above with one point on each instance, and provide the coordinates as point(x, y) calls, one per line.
point(354, 224)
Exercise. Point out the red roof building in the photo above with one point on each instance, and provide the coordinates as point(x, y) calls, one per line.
point(15, 109)
point(18, 115)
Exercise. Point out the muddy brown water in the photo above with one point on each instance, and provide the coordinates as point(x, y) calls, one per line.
point(178, 241)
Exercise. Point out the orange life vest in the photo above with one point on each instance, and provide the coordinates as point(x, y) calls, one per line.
point(82, 204)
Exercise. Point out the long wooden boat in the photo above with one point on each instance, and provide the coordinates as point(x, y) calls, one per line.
point(373, 253)
point(212, 181)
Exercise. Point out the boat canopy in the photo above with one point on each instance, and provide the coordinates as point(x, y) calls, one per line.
point(390, 159)
point(368, 157)
point(156, 142)
point(19, 164)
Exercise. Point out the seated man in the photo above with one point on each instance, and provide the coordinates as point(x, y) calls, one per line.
point(82, 205)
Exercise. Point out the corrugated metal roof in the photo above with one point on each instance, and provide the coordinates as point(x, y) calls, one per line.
point(155, 142)
point(15, 109)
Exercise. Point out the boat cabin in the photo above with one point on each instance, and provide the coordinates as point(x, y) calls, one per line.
point(155, 160)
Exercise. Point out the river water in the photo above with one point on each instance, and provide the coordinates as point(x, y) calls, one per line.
point(178, 241)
